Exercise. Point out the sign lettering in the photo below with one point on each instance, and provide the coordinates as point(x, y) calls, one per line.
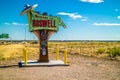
point(44, 23)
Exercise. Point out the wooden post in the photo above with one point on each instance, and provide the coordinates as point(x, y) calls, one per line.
point(43, 36)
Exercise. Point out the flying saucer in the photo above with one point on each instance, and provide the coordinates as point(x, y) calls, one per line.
point(27, 7)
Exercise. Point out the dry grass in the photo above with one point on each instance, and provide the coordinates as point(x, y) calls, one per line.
point(14, 51)
point(81, 67)
point(10, 51)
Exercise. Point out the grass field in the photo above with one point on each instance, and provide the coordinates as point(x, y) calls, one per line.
point(110, 50)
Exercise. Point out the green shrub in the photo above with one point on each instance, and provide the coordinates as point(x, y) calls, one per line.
point(101, 50)
point(113, 52)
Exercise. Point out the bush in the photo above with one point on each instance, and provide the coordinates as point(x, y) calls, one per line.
point(101, 50)
point(113, 52)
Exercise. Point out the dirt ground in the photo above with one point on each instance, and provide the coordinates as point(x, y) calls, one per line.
point(80, 68)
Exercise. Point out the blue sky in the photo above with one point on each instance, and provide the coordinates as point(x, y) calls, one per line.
point(85, 19)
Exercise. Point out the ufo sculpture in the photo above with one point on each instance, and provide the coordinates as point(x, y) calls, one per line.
point(43, 26)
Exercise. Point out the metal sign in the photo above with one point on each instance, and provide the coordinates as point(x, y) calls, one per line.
point(4, 36)
point(0, 36)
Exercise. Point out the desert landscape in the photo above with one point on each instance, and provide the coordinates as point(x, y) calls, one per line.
point(92, 60)
point(60, 40)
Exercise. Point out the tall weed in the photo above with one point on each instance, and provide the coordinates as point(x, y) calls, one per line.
point(100, 50)
point(113, 52)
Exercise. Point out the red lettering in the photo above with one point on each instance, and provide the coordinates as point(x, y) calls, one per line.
point(40, 23)
point(49, 23)
point(37, 23)
point(33, 23)
point(43, 23)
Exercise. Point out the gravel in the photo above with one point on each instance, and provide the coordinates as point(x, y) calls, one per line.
point(81, 68)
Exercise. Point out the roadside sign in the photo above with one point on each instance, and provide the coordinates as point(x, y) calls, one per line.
point(4, 35)
point(0, 36)
point(42, 22)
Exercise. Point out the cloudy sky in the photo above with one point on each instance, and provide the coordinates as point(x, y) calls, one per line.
point(85, 19)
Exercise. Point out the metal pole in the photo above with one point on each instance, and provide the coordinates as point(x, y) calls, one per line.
point(25, 56)
point(65, 57)
point(57, 52)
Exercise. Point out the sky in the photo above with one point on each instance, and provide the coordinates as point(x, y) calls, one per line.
point(85, 19)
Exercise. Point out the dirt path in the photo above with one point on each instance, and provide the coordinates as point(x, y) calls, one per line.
point(81, 68)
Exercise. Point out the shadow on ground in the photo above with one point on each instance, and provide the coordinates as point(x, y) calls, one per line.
point(8, 66)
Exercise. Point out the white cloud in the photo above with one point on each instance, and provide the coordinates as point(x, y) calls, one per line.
point(6, 23)
point(15, 24)
point(18, 24)
point(106, 24)
point(118, 17)
point(72, 15)
point(84, 19)
point(92, 1)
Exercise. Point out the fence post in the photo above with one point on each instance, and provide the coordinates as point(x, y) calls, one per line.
point(25, 56)
point(57, 52)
